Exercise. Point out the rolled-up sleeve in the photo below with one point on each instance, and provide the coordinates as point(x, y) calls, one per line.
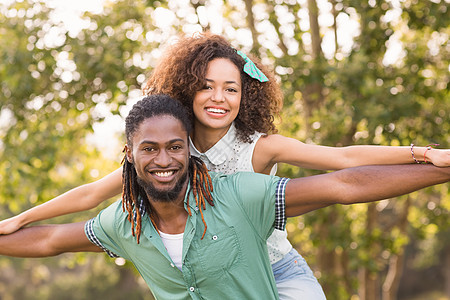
point(280, 204)
point(89, 230)
point(102, 230)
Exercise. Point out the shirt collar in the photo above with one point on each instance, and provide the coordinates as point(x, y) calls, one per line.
point(192, 204)
point(218, 153)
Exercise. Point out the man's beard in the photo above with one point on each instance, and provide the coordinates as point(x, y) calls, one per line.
point(163, 195)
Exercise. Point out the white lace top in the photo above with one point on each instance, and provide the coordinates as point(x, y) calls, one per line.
point(229, 155)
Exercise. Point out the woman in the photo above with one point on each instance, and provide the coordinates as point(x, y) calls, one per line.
point(233, 103)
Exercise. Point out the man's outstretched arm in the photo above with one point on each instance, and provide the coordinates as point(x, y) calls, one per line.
point(358, 185)
point(46, 240)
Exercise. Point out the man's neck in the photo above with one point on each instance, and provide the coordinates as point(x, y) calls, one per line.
point(170, 217)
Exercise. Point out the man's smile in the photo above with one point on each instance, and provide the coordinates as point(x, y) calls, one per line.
point(163, 176)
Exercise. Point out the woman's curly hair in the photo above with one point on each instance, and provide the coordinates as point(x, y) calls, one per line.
point(181, 73)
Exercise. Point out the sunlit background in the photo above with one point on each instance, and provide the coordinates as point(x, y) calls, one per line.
point(352, 72)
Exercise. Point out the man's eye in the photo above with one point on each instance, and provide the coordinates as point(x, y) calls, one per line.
point(149, 149)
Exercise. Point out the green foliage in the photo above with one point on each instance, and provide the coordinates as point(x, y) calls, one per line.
point(50, 99)
point(367, 102)
point(74, 277)
point(56, 84)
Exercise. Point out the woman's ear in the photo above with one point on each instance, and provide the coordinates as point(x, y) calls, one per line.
point(129, 153)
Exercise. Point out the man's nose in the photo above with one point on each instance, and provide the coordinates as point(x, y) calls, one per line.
point(163, 159)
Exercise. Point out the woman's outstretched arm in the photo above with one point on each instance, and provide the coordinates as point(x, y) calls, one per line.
point(78, 199)
point(280, 149)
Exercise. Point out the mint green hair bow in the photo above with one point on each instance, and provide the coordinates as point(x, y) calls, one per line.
point(251, 69)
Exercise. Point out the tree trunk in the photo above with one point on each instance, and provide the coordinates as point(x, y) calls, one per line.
point(274, 20)
point(396, 261)
point(251, 24)
point(313, 92)
point(326, 258)
point(315, 29)
point(446, 271)
point(343, 270)
point(334, 12)
point(367, 279)
point(391, 283)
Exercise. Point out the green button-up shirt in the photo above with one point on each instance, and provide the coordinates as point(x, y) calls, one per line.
point(230, 262)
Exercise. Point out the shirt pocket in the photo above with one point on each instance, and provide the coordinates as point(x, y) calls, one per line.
point(219, 252)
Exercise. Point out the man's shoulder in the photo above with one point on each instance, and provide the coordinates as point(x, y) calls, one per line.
point(242, 175)
point(243, 182)
point(113, 208)
point(113, 215)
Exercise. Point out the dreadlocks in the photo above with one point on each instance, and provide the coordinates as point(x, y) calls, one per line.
point(134, 197)
point(201, 186)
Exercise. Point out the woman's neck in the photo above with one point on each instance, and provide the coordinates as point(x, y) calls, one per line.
point(204, 138)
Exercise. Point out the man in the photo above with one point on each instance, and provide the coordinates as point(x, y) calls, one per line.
point(186, 248)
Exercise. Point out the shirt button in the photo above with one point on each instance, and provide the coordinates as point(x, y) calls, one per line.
point(214, 237)
point(191, 289)
point(196, 208)
point(172, 265)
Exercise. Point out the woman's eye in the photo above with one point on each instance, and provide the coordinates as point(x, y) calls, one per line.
point(233, 90)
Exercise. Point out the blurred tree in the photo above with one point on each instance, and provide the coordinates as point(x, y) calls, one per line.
point(54, 88)
point(372, 103)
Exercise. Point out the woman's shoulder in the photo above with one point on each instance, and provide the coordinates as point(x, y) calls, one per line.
point(267, 150)
point(271, 141)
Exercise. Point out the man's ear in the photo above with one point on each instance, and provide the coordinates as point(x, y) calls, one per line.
point(129, 153)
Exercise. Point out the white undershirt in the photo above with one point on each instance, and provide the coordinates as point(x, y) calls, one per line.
point(174, 246)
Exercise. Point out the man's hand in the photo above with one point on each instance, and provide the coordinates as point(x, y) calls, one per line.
point(46, 240)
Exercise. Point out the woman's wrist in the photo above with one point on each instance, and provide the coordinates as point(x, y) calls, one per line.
point(22, 219)
point(426, 154)
point(423, 154)
point(417, 153)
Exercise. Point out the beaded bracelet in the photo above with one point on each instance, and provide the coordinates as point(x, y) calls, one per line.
point(412, 153)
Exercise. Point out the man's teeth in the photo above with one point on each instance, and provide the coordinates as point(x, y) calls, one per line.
point(164, 174)
point(216, 110)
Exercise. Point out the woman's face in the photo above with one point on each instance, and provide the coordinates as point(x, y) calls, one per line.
point(217, 104)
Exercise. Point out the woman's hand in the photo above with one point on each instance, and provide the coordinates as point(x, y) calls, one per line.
point(438, 157)
point(10, 225)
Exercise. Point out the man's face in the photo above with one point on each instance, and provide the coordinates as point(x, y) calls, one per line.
point(160, 154)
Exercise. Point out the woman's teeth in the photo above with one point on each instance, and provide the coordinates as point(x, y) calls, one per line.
point(216, 110)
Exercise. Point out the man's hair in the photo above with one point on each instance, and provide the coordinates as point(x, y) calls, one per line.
point(153, 106)
point(181, 74)
point(134, 198)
